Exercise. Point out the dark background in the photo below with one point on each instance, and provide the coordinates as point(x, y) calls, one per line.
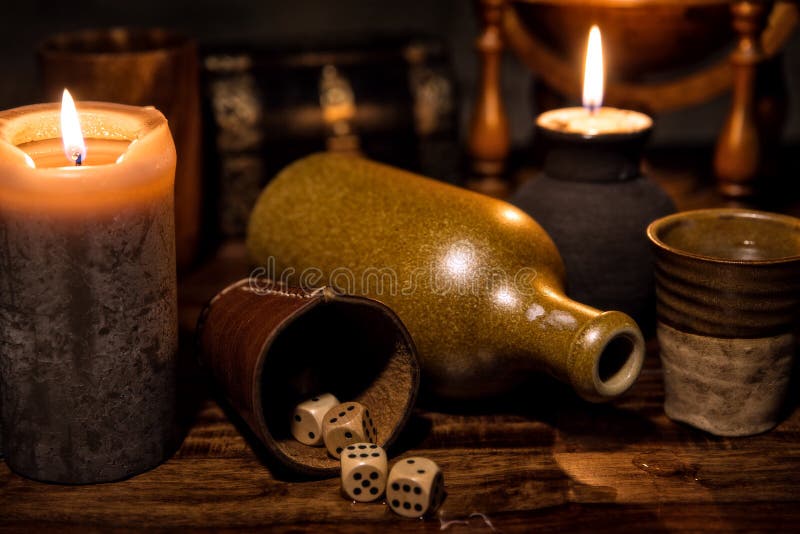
point(24, 24)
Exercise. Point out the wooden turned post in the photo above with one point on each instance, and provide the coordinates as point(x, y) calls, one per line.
point(488, 137)
point(738, 152)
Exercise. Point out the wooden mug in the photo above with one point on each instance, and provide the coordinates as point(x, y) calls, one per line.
point(142, 67)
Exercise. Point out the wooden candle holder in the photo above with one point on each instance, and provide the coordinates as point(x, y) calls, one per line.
point(271, 347)
point(489, 138)
point(738, 156)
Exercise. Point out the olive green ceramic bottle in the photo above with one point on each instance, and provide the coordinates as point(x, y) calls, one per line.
point(477, 282)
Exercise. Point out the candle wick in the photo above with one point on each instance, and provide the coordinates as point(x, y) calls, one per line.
point(78, 159)
point(593, 109)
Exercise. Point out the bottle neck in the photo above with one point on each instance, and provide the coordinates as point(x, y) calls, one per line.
point(599, 353)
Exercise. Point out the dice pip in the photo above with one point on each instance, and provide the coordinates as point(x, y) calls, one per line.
point(346, 424)
point(308, 416)
point(415, 487)
point(364, 471)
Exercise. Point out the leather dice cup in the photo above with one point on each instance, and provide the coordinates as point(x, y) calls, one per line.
point(270, 347)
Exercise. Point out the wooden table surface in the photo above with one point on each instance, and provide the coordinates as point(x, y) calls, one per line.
point(538, 459)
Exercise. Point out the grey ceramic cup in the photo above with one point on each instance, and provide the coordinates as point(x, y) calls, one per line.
point(728, 303)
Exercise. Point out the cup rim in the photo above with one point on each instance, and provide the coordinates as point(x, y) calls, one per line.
point(175, 40)
point(657, 226)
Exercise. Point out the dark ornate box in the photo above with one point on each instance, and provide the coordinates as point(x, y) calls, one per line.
point(390, 98)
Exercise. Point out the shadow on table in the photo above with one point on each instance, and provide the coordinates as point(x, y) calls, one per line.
point(509, 447)
point(264, 457)
point(191, 389)
point(557, 409)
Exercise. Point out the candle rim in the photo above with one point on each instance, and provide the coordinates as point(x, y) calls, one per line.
point(24, 124)
point(35, 156)
point(17, 125)
point(542, 121)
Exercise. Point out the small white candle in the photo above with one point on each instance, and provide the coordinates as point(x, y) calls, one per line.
point(604, 120)
point(593, 119)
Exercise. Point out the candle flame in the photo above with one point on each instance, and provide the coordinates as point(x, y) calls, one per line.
point(593, 75)
point(71, 136)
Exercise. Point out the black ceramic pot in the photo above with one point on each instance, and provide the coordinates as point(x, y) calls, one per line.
point(595, 203)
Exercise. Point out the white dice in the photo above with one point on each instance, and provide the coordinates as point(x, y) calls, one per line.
point(415, 487)
point(308, 416)
point(364, 471)
point(346, 424)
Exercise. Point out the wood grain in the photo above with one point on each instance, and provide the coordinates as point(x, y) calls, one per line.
point(623, 458)
point(538, 459)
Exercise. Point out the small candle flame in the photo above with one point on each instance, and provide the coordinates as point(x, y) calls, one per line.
point(71, 136)
point(593, 75)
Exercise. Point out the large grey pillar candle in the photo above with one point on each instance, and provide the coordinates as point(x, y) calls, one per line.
point(88, 315)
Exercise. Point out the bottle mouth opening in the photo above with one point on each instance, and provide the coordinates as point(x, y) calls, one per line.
point(618, 364)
